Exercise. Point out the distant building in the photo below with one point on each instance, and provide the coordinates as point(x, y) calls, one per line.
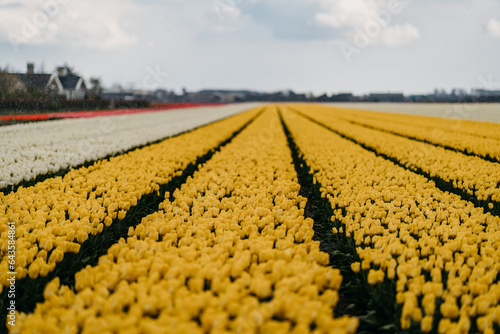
point(484, 92)
point(342, 97)
point(204, 96)
point(322, 98)
point(62, 82)
point(386, 97)
point(30, 79)
point(119, 93)
point(484, 95)
point(65, 82)
point(220, 95)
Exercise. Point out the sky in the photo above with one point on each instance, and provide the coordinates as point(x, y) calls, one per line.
point(309, 46)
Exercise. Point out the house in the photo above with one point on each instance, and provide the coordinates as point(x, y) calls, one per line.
point(65, 82)
point(484, 92)
point(386, 97)
point(30, 79)
point(342, 97)
point(62, 82)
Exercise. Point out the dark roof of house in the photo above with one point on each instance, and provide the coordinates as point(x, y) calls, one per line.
point(34, 79)
point(69, 81)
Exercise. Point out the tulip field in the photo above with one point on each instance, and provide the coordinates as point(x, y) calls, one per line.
point(247, 218)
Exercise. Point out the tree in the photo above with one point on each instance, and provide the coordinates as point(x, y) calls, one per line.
point(96, 87)
point(9, 84)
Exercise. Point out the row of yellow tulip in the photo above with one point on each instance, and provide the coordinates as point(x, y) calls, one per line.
point(232, 252)
point(467, 127)
point(436, 246)
point(55, 216)
point(427, 129)
point(472, 175)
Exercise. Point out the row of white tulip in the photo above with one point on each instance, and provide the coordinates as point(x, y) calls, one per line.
point(29, 150)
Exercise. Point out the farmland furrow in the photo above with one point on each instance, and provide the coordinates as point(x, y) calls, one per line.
point(231, 252)
point(485, 148)
point(354, 296)
point(439, 254)
point(472, 178)
point(57, 216)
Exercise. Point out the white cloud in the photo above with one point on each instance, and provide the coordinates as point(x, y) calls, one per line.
point(93, 24)
point(370, 17)
point(98, 32)
point(226, 9)
point(399, 34)
point(342, 13)
point(493, 27)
